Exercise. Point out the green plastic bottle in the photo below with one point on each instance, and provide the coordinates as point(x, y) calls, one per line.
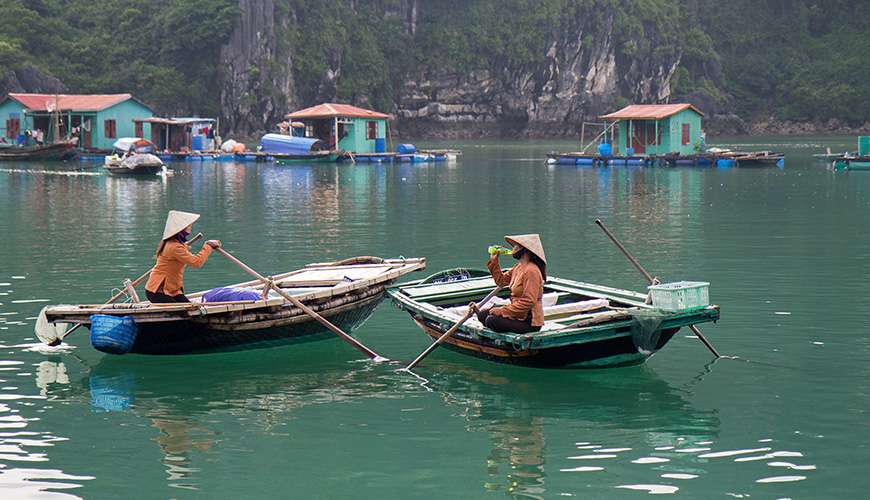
point(500, 250)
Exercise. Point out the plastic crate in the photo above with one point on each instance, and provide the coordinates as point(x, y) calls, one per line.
point(680, 296)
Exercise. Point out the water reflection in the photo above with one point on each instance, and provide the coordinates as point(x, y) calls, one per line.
point(630, 404)
point(23, 446)
point(182, 405)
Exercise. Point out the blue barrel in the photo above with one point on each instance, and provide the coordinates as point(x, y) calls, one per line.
point(724, 163)
point(584, 162)
point(406, 149)
point(629, 151)
point(197, 143)
point(113, 334)
point(380, 145)
point(605, 149)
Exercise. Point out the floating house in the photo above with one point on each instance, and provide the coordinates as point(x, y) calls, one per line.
point(344, 127)
point(97, 120)
point(179, 134)
point(656, 129)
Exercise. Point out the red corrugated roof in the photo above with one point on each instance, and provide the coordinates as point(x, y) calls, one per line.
point(67, 102)
point(649, 111)
point(331, 110)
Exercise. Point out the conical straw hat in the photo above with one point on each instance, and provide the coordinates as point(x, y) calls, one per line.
point(177, 221)
point(531, 242)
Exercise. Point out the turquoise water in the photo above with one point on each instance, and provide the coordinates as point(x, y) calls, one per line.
point(785, 252)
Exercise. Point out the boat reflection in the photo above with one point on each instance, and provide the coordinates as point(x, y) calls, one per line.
point(515, 406)
point(181, 403)
point(532, 418)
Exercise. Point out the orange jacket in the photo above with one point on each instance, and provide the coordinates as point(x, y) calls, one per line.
point(527, 292)
point(168, 274)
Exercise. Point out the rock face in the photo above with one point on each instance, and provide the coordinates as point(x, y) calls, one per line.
point(577, 80)
point(257, 87)
point(582, 74)
point(30, 79)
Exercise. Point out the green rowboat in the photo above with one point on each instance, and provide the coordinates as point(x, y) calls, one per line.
point(586, 325)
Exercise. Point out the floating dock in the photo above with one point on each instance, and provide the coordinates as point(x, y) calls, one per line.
point(260, 157)
point(718, 159)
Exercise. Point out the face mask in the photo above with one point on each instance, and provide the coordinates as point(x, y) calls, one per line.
point(182, 236)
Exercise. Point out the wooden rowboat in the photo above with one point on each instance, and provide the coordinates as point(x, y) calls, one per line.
point(345, 292)
point(586, 325)
point(58, 151)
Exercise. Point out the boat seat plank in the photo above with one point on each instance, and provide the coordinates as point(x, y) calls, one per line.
point(450, 288)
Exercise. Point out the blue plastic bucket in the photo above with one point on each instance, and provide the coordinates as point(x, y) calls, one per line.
point(605, 149)
point(113, 334)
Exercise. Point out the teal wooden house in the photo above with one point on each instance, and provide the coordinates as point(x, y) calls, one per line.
point(97, 120)
point(656, 129)
point(357, 130)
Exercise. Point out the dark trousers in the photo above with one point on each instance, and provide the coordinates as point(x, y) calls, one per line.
point(499, 324)
point(162, 298)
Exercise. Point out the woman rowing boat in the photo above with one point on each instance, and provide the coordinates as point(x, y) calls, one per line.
point(525, 313)
point(166, 283)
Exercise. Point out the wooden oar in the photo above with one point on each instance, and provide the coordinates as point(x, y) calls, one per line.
point(652, 281)
point(307, 310)
point(452, 330)
point(56, 342)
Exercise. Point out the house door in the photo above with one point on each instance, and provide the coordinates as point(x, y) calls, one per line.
point(638, 138)
point(86, 133)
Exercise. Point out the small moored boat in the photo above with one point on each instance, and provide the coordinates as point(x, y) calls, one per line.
point(133, 156)
point(59, 151)
point(344, 292)
point(586, 325)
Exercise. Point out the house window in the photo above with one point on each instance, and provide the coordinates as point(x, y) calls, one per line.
point(372, 130)
point(139, 130)
point(687, 136)
point(109, 129)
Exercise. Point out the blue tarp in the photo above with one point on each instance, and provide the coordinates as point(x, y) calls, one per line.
point(287, 144)
point(225, 294)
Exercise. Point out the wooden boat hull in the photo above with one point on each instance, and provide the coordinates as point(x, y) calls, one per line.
point(141, 170)
point(330, 157)
point(60, 151)
point(851, 163)
point(191, 337)
point(345, 292)
point(577, 333)
point(614, 351)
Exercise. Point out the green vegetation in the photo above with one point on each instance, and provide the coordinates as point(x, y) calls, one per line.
point(799, 60)
point(163, 51)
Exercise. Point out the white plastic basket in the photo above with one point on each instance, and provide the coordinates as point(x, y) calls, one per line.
point(680, 296)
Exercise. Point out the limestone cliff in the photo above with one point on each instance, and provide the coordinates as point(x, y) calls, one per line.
point(585, 68)
point(27, 78)
point(257, 87)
